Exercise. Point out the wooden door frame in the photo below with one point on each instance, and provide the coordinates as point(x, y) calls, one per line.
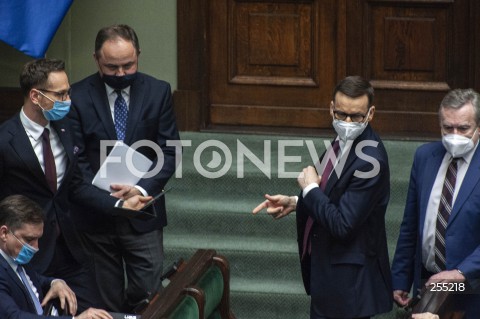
point(191, 96)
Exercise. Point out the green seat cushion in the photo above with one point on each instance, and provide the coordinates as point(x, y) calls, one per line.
point(186, 309)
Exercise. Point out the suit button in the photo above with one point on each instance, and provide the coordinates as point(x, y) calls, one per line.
point(315, 236)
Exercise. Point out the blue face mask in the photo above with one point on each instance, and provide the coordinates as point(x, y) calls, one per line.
point(25, 254)
point(59, 110)
point(119, 82)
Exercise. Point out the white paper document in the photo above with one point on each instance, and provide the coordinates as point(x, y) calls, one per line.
point(123, 165)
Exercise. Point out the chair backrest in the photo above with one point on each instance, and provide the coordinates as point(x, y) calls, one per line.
point(437, 302)
point(205, 279)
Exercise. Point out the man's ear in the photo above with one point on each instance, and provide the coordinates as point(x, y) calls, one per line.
point(371, 113)
point(331, 108)
point(33, 95)
point(3, 233)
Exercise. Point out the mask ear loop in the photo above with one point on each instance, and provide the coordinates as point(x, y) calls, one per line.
point(45, 97)
point(367, 116)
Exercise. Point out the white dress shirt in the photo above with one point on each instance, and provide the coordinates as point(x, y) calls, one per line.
point(34, 132)
point(429, 227)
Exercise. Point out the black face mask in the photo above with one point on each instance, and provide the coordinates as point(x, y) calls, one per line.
point(119, 82)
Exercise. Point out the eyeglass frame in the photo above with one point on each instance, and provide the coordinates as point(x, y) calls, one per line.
point(61, 95)
point(350, 115)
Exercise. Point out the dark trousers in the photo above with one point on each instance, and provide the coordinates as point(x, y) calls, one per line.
point(127, 265)
point(77, 276)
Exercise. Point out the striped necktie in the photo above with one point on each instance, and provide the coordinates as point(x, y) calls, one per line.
point(444, 210)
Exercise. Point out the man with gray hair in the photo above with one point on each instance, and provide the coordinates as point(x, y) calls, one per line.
point(439, 241)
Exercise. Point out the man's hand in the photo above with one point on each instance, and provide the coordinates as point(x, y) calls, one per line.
point(59, 289)
point(401, 297)
point(136, 202)
point(446, 276)
point(277, 206)
point(425, 315)
point(124, 191)
point(92, 313)
point(308, 176)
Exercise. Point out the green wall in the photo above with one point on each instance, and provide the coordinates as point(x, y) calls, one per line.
point(153, 20)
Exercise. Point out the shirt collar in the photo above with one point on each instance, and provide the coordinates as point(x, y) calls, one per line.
point(468, 157)
point(9, 260)
point(33, 129)
point(111, 90)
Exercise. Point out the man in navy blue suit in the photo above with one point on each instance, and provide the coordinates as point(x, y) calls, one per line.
point(433, 248)
point(121, 104)
point(23, 291)
point(25, 169)
point(341, 214)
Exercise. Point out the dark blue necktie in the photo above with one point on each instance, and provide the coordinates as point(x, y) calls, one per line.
point(120, 112)
point(27, 285)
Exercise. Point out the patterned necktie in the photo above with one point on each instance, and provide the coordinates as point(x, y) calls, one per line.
point(27, 285)
point(444, 210)
point(49, 161)
point(120, 111)
point(323, 183)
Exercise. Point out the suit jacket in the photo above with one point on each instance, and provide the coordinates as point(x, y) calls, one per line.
point(16, 302)
point(462, 238)
point(150, 117)
point(21, 173)
point(348, 271)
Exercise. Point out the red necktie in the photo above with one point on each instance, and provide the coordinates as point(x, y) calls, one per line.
point(323, 183)
point(49, 161)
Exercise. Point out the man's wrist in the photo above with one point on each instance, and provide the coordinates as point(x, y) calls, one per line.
point(54, 281)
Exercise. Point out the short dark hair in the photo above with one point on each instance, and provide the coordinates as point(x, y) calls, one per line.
point(117, 30)
point(35, 73)
point(457, 98)
point(17, 210)
point(355, 86)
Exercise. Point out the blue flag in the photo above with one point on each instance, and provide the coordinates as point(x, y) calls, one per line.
point(29, 25)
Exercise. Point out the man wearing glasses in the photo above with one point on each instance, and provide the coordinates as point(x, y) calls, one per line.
point(38, 158)
point(340, 213)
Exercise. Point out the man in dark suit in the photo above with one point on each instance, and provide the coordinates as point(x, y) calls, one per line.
point(439, 241)
point(23, 292)
point(341, 214)
point(119, 103)
point(26, 168)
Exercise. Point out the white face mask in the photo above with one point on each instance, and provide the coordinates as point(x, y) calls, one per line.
point(350, 130)
point(458, 145)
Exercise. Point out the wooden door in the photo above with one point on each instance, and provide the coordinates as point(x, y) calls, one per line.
point(271, 65)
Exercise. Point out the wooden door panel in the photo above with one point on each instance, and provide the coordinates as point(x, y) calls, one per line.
point(272, 63)
point(410, 52)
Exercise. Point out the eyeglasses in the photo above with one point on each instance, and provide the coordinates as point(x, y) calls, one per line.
point(62, 96)
point(354, 117)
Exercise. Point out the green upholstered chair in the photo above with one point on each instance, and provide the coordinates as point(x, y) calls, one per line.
point(200, 289)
